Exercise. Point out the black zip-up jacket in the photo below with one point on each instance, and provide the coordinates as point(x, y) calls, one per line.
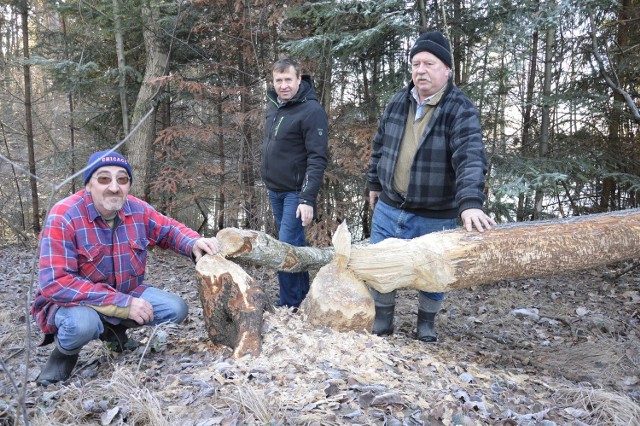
point(294, 151)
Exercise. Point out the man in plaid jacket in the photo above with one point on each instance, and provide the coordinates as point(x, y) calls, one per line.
point(427, 168)
point(92, 263)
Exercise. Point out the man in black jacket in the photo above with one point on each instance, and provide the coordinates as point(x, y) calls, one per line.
point(294, 156)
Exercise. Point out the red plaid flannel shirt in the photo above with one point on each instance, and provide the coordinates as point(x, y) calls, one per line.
point(84, 262)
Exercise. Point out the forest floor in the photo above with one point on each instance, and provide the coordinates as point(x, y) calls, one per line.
point(560, 350)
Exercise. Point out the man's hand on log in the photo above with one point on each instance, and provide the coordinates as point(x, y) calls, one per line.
point(477, 218)
point(205, 246)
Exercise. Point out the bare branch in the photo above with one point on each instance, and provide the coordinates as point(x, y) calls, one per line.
point(610, 82)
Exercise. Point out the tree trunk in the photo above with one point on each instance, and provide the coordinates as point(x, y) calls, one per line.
point(23, 224)
point(247, 155)
point(525, 149)
point(437, 262)
point(259, 248)
point(140, 150)
point(232, 305)
point(72, 125)
point(451, 260)
point(122, 71)
point(35, 213)
point(545, 129)
point(220, 205)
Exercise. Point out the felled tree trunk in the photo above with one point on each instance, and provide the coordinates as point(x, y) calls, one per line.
point(261, 249)
point(450, 260)
point(441, 261)
point(232, 304)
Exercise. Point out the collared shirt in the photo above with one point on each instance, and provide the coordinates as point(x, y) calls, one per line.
point(85, 262)
point(420, 106)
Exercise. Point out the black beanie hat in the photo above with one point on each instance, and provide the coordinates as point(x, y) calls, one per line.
point(433, 42)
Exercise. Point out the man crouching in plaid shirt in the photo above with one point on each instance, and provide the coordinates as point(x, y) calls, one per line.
point(92, 262)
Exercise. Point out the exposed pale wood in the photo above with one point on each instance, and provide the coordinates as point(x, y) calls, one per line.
point(232, 304)
point(451, 260)
point(437, 262)
point(261, 249)
point(337, 299)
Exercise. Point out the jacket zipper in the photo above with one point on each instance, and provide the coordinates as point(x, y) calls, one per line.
point(274, 133)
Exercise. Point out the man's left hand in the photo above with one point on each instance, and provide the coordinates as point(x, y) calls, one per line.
point(305, 212)
point(477, 218)
point(205, 246)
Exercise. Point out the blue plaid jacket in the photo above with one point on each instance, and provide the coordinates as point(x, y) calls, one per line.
point(448, 171)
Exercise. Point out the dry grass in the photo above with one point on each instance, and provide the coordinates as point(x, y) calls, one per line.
point(603, 408)
point(123, 395)
point(256, 403)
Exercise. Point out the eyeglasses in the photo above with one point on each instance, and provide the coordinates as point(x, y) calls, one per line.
point(106, 180)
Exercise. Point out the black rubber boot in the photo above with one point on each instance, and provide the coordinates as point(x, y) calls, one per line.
point(58, 367)
point(427, 310)
point(426, 326)
point(115, 336)
point(383, 322)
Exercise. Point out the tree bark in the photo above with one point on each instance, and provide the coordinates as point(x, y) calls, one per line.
point(220, 204)
point(232, 305)
point(545, 127)
point(140, 150)
point(527, 106)
point(35, 212)
point(259, 248)
point(122, 70)
point(451, 260)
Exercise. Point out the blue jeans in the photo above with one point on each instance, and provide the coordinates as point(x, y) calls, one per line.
point(390, 222)
point(78, 325)
point(294, 286)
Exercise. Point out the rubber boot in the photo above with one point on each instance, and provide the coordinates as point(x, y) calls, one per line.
point(58, 367)
point(385, 307)
point(383, 322)
point(115, 335)
point(426, 330)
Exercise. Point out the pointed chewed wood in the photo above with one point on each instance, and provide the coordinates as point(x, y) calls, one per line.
point(338, 299)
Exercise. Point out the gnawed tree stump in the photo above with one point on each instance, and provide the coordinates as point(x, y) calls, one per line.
point(232, 303)
point(337, 299)
point(261, 249)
